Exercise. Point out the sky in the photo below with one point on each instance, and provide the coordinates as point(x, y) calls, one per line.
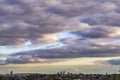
point(54, 35)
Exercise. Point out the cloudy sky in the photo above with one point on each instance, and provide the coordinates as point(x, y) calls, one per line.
point(54, 35)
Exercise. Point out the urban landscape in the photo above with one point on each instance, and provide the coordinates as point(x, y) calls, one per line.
point(59, 39)
point(59, 76)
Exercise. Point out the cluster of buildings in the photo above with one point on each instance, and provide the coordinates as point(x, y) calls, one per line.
point(60, 76)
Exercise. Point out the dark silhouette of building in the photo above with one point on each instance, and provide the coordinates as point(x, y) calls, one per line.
point(11, 72)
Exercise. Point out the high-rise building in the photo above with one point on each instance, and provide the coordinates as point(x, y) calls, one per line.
point(11, 72)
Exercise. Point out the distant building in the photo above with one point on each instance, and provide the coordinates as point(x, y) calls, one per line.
point(11, 72)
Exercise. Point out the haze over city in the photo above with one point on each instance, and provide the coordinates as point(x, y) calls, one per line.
point(47, 36)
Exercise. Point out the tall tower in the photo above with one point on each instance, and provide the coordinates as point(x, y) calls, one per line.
point(11, 72)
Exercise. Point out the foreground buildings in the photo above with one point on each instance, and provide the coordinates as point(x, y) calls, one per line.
point(60, 76)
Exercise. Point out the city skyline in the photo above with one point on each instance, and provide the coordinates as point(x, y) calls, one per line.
point(49, 36)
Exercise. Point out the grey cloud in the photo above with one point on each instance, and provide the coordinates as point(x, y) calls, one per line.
point(26, 59)
point(40, 20)
point(30, 21)
point(2, 62)
point(33, 19)
point(11, 41)
point(77, 48)
point(110, 19)
point(114, 62)
point(21, 60)
point(85, 47)
point(82, 8)
point(74, 48)
point(50, 53)
point(99, 32)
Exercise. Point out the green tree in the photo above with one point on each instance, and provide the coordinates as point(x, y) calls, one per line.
point(117, 77)
point(0, 77)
